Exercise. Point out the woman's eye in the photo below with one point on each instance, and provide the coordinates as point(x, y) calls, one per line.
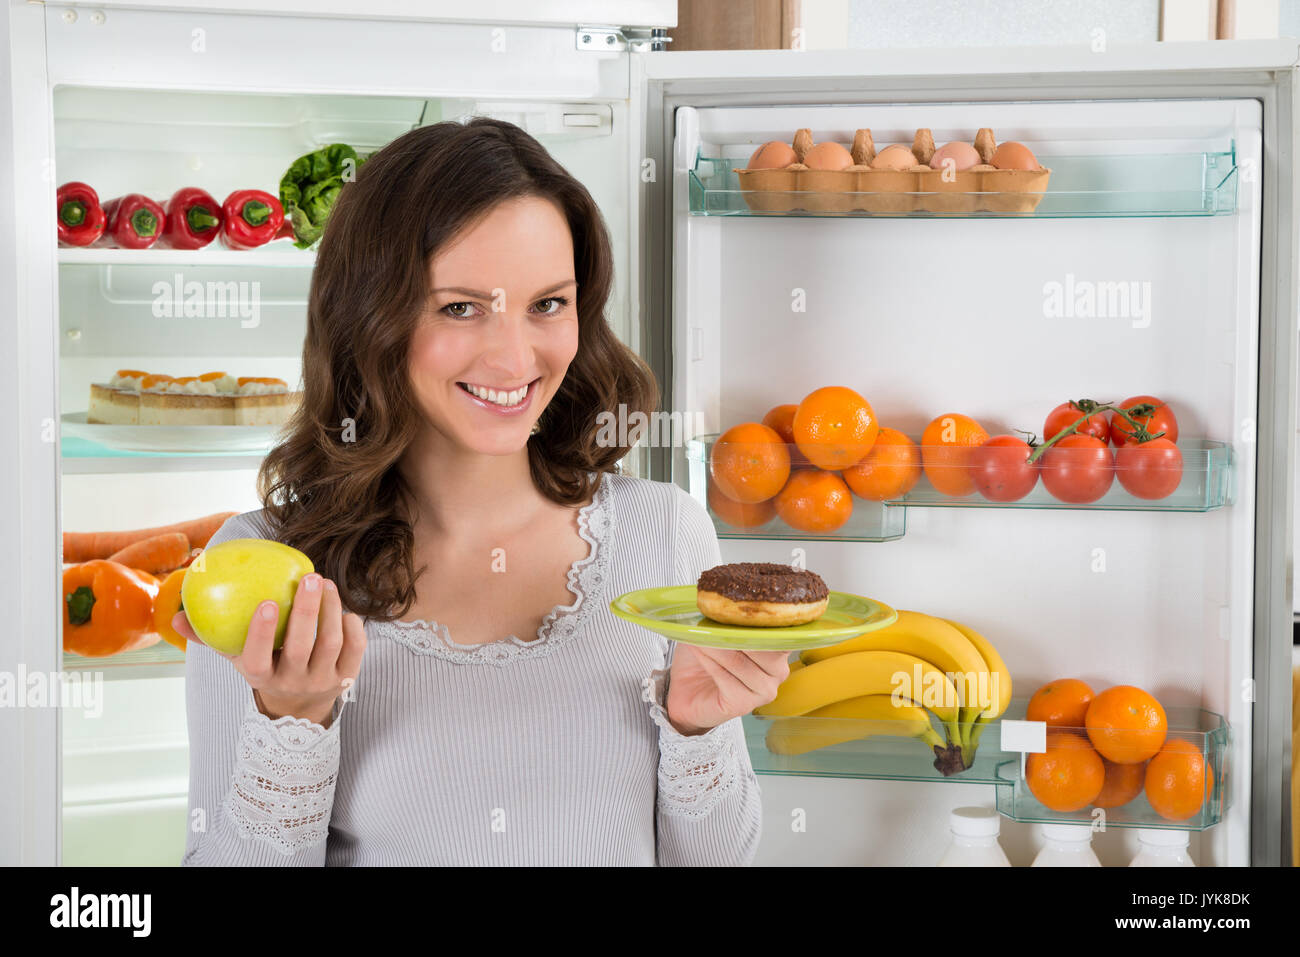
point(559, 302)
point(459, 310)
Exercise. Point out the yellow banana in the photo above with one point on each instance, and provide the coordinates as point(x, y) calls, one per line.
point(999, 690)
point(872, 714)
point(866, 672)
point(930, 639)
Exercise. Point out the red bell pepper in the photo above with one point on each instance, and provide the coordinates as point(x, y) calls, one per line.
point(81, 218)
point(193, 219)
point(252, 218)
point(134, 222)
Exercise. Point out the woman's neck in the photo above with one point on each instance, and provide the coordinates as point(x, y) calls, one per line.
point(461, 494)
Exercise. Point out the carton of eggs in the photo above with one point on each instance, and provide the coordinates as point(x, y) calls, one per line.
point(957, 177)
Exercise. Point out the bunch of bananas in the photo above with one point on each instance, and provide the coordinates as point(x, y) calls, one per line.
point(891, 680)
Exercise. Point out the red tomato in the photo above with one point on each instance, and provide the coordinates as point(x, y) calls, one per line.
point(1078, 469)
point(1066, 414)
point(1150, 470)
point(1000, 469)
point(1162, 420)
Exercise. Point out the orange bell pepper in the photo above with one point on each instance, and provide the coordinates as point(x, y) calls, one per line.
point(165, 607)
point(107, 609)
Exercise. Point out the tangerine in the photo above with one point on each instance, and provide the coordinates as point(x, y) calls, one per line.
point(889, 470)
point(946, 446)
point(1126, 724)
point(1062, 703)
point(1068, 776)
point(815, 501)
point(1178, 780)
point(1123, 783)
point(738, 514)
point(834, 427)
point(780, 419)
point(750, 463)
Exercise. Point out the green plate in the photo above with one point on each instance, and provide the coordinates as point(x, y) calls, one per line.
point(672, 612)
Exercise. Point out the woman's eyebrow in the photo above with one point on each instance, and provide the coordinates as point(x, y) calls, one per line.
point(478, 294)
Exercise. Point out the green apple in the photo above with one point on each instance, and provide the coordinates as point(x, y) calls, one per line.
point(226, 583)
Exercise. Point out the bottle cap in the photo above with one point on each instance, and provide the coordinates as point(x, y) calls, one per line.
point(974, 821)
point(1067, 832)
point(1163, 836)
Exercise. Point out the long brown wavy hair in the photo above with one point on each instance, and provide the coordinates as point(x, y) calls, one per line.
point(332, 488)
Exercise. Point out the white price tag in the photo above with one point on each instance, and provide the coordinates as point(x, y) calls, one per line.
point(1024, 736)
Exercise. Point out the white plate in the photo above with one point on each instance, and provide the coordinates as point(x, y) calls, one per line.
point(172, 438)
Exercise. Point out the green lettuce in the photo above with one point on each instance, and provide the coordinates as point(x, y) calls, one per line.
point(310, 186)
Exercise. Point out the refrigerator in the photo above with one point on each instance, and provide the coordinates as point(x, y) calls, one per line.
point(1173, 176)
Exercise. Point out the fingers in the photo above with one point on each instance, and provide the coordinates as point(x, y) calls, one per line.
point(744, 672)
point(181, 625)
point(354, 646)
point(303, 619)
point(329, 632)
point(254, 662)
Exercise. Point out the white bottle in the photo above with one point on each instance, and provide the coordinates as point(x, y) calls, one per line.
point(974, 839)
point(1162, 847)
point(1068, 845)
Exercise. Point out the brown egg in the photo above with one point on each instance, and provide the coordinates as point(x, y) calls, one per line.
point(828, 155)
point(894, 157)
point(1013, 155)
point(772, 155)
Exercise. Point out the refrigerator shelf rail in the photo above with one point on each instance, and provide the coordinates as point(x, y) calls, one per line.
point(1113, 186)
point(1203, 482)
point(280, 253)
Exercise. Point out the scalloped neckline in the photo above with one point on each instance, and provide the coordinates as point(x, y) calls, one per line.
point(428, 636)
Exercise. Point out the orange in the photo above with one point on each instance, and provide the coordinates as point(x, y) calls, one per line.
point(1124, 782)
point(1062, 703)
point(815, 501)
point(946, 444)
point(889, 470)
point(780, 419)
point(1126, 725)
point(1179, 780)
point(750, 463)
point(835, 427)
point(1068, 776)
point(738, 514)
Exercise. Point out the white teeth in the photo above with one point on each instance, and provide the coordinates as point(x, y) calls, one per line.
point(498, 398)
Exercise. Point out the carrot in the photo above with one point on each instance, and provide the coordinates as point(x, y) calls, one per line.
point(161, 553)
point(85, 546)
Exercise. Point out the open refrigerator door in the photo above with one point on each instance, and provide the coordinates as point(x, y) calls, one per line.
point(1157, 260)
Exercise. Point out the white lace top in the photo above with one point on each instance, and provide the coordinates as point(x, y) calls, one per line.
point(551, 751)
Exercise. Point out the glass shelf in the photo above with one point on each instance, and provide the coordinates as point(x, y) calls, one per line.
point(278, 253)
point(1208, 734)
point(867, 522)
point(1137, 185)
point(159, 660)
point(83, 457)
point(1205, 483)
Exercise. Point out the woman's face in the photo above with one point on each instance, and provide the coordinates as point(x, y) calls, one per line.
point(500, 328)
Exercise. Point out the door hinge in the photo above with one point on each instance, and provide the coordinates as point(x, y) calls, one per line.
point(617, 39)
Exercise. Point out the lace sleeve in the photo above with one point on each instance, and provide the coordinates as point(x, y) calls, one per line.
point(696, 771)
point(284, 778)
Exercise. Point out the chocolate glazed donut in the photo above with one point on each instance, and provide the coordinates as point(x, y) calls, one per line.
point(764, 594)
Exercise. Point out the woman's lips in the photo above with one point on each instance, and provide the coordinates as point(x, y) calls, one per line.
point(506, 410)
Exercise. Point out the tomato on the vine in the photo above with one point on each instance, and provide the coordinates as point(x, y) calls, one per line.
point(1150, 470)
point(1001, 470)
point(1067, 413)
point(1078, 469)
point(1161, 420)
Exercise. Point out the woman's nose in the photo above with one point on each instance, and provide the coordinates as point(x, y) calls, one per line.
point(510, 347)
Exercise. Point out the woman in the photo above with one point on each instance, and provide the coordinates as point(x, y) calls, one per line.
point(502, 715)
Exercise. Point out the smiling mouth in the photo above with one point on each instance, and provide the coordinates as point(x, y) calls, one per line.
point(506, 398)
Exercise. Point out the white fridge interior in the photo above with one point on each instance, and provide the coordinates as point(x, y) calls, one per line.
point(926, 316)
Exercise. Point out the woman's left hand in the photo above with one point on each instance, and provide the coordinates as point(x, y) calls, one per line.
point(708, 686)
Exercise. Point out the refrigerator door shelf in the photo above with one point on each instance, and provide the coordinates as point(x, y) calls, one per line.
point(1190, 184)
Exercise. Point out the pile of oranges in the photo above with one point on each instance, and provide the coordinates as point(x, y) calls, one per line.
point(1108, 748)
point(806, 462)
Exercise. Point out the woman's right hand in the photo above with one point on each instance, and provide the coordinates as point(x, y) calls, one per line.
point(305, 677)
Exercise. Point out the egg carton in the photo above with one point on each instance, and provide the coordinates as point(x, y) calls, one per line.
point(862, 187)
